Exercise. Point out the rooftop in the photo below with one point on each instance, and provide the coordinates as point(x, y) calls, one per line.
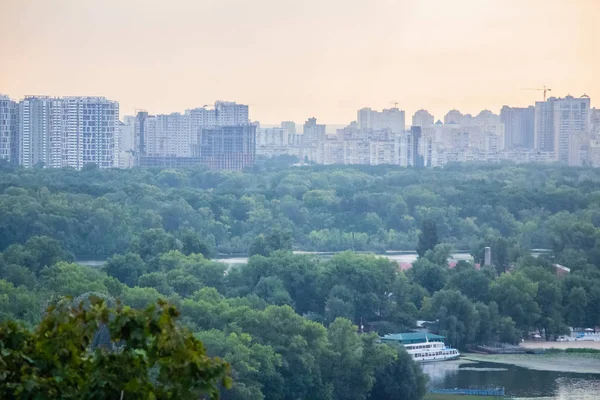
point(412, 337)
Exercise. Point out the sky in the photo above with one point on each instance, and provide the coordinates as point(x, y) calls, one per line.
point(293, 59)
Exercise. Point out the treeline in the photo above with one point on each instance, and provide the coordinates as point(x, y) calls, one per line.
point(97, 213)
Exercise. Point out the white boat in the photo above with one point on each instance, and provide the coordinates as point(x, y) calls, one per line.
point(431, 351)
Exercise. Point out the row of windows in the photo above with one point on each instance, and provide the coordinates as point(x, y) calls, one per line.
point(435, 354)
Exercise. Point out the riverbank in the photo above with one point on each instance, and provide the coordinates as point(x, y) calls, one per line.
point(585, 363)
point(580, 344)
point(436, 396)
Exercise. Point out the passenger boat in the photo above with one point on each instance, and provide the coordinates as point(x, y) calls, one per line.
point(431, 351)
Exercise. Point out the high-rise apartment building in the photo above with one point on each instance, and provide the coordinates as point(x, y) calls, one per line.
point(595, 121)
point(68, 132)
point(126, 141)
point(9, 130)
point(518, 126)
point(42, 128)
point(289, 126)
point(422, 118)
point(172, 135)
point(392, 119)
point(227, 147)
point(557, 120)
point(175, 134)
point(90, 134)
point(229, 113)
point(453, 117)
point(410, 149)
point(313, 133)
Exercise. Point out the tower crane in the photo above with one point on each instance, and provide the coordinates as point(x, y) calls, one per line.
point(544, 89)
point(395, 103)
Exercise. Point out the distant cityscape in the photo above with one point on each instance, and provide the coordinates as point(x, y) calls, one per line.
point(56, 132)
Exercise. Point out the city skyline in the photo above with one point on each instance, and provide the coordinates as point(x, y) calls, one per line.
point(331, 127)
point(435, 55)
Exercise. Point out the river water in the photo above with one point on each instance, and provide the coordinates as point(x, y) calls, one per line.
point(401, 257)
point(407, 257)
point(517, 381)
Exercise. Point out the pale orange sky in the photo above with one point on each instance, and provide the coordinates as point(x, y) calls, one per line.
point(292, 59)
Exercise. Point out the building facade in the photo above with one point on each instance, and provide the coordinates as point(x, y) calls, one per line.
point(289, 126)
point(560, 123)
point(9, 129)
point(43, 122)
point(392, 119)
point(227, 147)
point(518, 127)
point(313, 133)
point(422, 118)
point(68, 132)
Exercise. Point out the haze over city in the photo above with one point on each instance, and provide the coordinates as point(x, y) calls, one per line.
point(292, 60)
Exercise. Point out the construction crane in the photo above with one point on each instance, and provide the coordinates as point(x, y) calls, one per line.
point(544, 89)
point(395, 103)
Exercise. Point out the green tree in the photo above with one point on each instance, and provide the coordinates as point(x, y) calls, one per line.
point(399, 379)
point(126, 268)
point(37, 253)
point(351, 377)
point(193, 244)
point(429, 275)
point(516, 296)
point(428, 238)
point(274, 241)
point(456, 315)
point(156, 358)
point(576, 307)
point(253, 365)
point(154, 242)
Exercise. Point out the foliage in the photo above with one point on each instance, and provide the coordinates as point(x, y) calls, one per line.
point(153, 359)
point(295, 325)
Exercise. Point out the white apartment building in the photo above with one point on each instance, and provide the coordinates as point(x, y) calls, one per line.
point(313, 133)
point(557, 120)
point(289, 126)
point(229, 113)
point(272, 141)
point(176, 135)
point(42, 127)
point(68, 132)
point(422, 118)
point(392, 119)
point(453, 117)
point(9, 146)
point(595, 121)
point(90, 134)
point(383, 152)
point(126, 142)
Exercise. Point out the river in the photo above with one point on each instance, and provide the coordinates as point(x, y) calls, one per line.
point(401, 257)
point(518, 382)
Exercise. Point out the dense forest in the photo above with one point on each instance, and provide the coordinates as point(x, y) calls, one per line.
point(97, 213)
point(294, 325)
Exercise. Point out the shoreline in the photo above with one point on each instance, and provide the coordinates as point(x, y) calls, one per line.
point(579, 344)
point(581, 363)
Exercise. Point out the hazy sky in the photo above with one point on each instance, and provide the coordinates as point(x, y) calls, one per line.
point(292, 59)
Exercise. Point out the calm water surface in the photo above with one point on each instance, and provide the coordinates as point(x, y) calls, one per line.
point(517, 381)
